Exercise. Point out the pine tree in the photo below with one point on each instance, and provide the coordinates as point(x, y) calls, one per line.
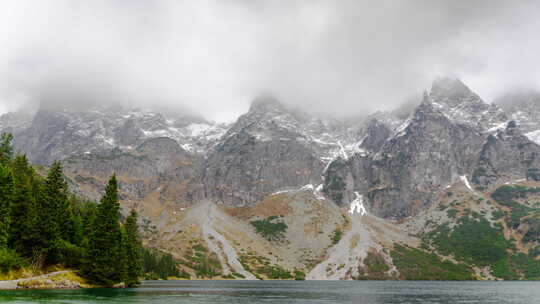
point(48, 210)
point(6, 192)
point(6, 187)
point(133, 250)
point(25, 234)
point(6, 149)
point(78, 229)
point(57, 205)
point(104, 260)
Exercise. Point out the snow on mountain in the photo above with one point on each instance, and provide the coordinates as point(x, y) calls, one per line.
point(15, 120)
point(69, 132)
point(268, 119)
point(523, 107)
point(534, 136)
point(457, 102)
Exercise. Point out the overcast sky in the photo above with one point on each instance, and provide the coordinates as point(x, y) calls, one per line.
point(214, 57)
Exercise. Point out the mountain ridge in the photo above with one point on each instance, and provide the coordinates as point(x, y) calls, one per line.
point(417, 174)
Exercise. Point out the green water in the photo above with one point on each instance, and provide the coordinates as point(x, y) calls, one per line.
point(232, 292)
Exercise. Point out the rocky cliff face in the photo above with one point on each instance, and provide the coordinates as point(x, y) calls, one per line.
point(268, 149)
point(426, 153)
point(507, 156)
point(399, 162)
point(431, 152)
point(159, 169)
point(57, 134)
point(447, 137)
point(523, 107)
point(456, 101)
point(450, 161)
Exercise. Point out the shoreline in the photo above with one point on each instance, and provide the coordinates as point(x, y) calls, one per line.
point(65, 279)
point(45, 282)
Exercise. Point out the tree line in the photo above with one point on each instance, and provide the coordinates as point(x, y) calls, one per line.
point(42, 224)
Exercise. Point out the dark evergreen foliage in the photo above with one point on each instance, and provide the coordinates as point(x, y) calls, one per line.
point(42, 224)
point(104, 261)
point(6, 149)
point(133, 248)
point(25, 226)
point(159, 265)
point(6, 191)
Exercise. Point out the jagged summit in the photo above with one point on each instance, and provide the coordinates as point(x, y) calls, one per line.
point(60, 133)
point(453, 93)
point(460, 104)
point(451, 89)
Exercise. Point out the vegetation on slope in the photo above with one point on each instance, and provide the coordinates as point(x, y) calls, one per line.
point(415, 264)
point(203, 262)
point(160, 265)
point(508, 193)
point(262, 268)
point(271, 228)
point(477, 242)
point(336, 236)
point(472, 240)
point(42, 225)
point(375, 268)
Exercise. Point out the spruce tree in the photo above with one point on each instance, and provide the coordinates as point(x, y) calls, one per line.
point(104, 259)
point(133, 250)
point(78, 229)
point(25, 234)
point(6, 191)
point(57, 204)
point(6, 149)
point(48, 209)
point(6, 187)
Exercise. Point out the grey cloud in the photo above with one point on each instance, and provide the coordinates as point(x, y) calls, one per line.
point(214, 57)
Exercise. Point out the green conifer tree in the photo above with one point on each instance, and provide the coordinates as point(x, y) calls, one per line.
point(25, 234)
point(78, 229)
point(133, 250)
point(58, 204)
point(6, 149)
point(104, 255)
point(6, 192)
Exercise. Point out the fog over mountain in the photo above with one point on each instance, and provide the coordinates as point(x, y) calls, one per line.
point(214, 57)
point(318, 140)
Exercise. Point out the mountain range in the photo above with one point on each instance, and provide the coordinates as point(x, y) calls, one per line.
point(451, 185)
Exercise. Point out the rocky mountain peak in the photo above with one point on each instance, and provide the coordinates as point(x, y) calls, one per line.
point(15, 120)
point(450, 89)
point(523, 106)
point(60, 132)
point(456, 101)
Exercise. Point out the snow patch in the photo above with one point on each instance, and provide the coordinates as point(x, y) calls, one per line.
point(307, 187)
point(534, 136)
point(464, 179)
point(105, 139)
point(497, 127)
point(198, 129)
point(317, 191)
point(187, 147)
point(357, 206)
point(400, 131)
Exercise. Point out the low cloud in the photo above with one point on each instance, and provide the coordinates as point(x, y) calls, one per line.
point(214, 57)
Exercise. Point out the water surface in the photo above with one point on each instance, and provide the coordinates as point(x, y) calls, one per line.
point(295, 292)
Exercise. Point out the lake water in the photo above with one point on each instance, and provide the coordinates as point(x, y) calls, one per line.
point(282, 292)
